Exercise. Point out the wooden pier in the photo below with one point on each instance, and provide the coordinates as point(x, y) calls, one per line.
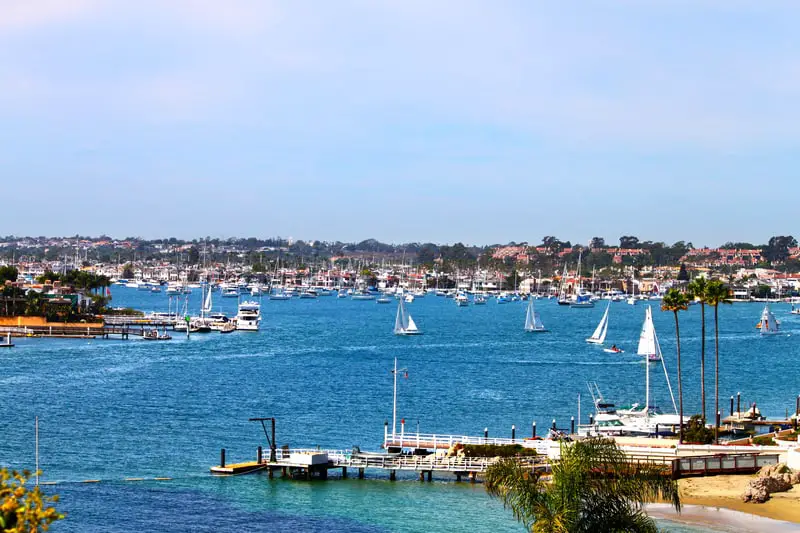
point(308, 463)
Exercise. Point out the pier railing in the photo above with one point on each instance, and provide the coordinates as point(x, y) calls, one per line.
point(436, 441)
point(341, 458)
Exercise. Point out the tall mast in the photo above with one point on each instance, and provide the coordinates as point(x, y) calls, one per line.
point(394, 400)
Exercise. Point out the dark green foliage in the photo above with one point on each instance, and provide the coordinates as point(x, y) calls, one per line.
point(497, 450)
point(683, 275)
point(593, 488)
point(696, 432)
point(8, 273)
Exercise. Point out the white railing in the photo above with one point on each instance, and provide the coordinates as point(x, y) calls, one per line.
point(435, 441)
point(346, 458)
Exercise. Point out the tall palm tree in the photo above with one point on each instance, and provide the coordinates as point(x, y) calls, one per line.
point(594, 487)
point(674, 300)
point(697, 290)
point(716, 293)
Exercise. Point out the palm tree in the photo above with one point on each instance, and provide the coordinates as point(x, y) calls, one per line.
point(676, 301)
point(594, 487)
point(697, 290)
point(716, 293)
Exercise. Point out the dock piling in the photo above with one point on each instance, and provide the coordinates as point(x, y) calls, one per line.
point(392, 475)
point(533, 429)
point(572, 425)
point(731, 405)
point(360, 473)
point(344, 472)
point(258, 455)
point(738, 402)
point(222, 458)
point(485, 435)
point(430, 475)
point(554, 424)
point(513, 432)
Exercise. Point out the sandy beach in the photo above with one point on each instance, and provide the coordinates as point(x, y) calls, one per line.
point(724, 492)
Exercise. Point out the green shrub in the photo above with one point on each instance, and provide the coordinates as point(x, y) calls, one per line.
point(696, 432)
point(497, 450)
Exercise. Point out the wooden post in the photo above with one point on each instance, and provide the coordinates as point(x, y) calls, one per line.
point(572, 425)
point(344, 472)
point(554, 424)
point(430, 475)
point(485, 435)
point(513, 433)
point(731, 405)
point(222, 458)
point(533, 429)
point(458, 477)
point(738, 402)
point(392, 475)
point(258, 455)
point(269, 470)
point(421, 475)
point(360, 473)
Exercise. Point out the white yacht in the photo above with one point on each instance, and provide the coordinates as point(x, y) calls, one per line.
point(249, 316)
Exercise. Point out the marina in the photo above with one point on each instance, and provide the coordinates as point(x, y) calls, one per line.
point(475, 369)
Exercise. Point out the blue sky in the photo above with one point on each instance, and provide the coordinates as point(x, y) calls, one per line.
point(403, 120)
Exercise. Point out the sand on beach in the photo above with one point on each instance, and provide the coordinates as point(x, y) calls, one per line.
point(726, 492)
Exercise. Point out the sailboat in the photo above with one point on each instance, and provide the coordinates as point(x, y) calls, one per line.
point(403, 323)
point(768, 324)
point(632, 298)
point(562, 288)
point(648, 341)
point(532, 321)
point(581, 298)
point(649, 416)
point(599, 335)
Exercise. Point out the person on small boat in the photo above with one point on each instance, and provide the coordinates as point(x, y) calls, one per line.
point(614, 348)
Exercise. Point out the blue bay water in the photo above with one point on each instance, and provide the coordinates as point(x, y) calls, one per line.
point(112, 409)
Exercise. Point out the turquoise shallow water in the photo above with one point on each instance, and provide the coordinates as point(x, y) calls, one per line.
point(115, 409)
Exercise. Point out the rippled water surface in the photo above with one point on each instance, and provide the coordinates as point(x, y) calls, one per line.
point(115, 409)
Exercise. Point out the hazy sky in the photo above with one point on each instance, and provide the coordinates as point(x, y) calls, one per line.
point(403, 120)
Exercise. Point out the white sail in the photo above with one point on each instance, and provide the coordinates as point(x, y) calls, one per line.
point(647, 338)
point(599, 335)
point(532, 320)
point(207, 303)
point(769, 324)
point(403, 323)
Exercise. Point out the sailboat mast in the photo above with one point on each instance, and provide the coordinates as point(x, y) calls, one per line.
point(647, 376)
point(394, 400)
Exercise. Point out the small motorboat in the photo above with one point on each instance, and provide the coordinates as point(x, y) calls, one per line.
point(8, 343)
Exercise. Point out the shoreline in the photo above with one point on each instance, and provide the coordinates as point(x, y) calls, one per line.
point(720, 499)
point(719, 518)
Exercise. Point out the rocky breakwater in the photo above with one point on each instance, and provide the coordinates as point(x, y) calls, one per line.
point(770, 479)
